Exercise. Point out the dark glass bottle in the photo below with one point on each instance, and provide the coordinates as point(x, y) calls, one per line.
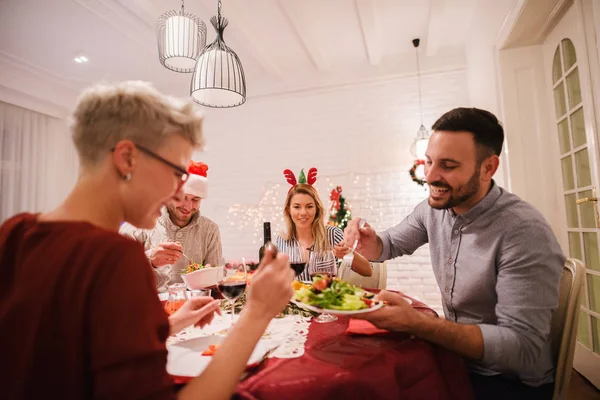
point(267, 239)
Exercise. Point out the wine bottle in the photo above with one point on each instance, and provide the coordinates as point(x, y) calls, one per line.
point(267, 239)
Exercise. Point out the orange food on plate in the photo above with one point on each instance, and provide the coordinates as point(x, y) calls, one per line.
point(212, 349)
point(298, 285)
point(239, 276)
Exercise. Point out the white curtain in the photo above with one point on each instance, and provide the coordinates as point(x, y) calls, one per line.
point(38, 163)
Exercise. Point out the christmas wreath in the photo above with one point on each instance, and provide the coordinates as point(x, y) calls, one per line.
point(413, 175)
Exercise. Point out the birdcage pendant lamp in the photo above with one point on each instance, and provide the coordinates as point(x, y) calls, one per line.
point(218, 80)
point(181, 37)
point(419, 146)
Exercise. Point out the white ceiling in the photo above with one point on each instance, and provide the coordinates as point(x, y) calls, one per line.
point(283, 44)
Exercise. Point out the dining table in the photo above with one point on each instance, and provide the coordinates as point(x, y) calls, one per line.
point(351, 359)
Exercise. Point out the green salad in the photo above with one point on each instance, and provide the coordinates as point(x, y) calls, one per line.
point(333, 294)
point(194, 267)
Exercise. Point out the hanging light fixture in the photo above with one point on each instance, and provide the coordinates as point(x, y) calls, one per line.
point(181, 36)
point(420, 144)
point(218, 79)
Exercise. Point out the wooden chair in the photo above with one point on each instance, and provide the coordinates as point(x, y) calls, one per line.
point(377, 280)
point(563, 331)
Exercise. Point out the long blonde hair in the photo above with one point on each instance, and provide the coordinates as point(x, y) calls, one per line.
point(318, 229)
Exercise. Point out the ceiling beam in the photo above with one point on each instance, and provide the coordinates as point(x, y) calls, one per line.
point(295, 12)
point(435, 26)
point(143, 10)
point(251, 41)
point(369, 27)
point(121, 18)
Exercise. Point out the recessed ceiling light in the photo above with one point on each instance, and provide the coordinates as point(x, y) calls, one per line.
point(81, 59)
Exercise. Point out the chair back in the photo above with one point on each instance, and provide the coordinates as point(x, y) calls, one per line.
point(377, 280)
point(563, 329)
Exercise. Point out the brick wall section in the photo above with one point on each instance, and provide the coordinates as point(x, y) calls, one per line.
point(357, 136)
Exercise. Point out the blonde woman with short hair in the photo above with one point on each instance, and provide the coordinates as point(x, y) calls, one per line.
point(79, 313)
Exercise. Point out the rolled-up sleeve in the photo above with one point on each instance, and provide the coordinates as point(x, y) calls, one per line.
point(161, 276)
point(406, 237)
point(527, 285)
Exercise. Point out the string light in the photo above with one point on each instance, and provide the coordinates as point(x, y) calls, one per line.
point(358, 191)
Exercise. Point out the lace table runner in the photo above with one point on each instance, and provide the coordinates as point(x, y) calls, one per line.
point(289, 332)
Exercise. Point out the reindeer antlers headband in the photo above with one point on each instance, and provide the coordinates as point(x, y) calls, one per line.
point(291, 178)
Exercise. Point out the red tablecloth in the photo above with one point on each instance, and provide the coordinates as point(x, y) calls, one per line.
point(337, 365)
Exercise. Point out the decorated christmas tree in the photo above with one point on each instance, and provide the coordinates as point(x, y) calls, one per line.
point(339, 213)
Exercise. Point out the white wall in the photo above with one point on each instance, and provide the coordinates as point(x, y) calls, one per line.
point(482, 67)
point(357, 136)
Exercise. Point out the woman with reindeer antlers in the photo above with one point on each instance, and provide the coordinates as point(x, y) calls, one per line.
point(304, 217)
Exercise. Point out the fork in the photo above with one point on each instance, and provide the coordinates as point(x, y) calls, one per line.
point(189, 259)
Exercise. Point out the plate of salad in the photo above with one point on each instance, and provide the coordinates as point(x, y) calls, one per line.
point(198, 276)
point(193, 267)
point(334, 296)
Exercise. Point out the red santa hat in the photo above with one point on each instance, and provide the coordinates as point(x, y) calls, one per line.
point(197, 182)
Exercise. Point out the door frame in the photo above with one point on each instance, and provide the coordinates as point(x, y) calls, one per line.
point(585, 359)
point(520, 64)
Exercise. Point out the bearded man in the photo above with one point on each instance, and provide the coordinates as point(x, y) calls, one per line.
point(181, 230)
point(494, 256)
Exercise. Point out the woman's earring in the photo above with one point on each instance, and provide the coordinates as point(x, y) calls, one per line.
point(127, 177)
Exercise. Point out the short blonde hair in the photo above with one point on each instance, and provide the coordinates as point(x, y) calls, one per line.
point(318, 229)
point(134, 110)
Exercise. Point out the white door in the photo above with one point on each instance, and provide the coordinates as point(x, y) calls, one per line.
point(574, 148)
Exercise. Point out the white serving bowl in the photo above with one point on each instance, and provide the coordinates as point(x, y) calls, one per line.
point(202, 278)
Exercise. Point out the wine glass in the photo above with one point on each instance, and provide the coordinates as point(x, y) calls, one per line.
point(296, 261)
point(232, 283)
point(322, 263)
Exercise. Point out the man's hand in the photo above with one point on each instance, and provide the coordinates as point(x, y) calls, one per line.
point(198, 311)
point(166, 253)
point(271, 287)
point(397, 315)
point(369, 244)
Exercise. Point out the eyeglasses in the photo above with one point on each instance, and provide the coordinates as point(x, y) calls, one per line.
point(180, 172)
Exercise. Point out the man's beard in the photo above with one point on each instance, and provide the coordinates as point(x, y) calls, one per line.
point(469, 190)
point(175, 214)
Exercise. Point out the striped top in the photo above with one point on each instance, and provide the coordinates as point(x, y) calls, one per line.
point(334, 236)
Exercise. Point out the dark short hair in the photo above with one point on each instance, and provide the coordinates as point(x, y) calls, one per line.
point(487, 131)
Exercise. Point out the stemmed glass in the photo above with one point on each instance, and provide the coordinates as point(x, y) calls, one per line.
point(296, 261)
point(322, 263)
point(232, 284)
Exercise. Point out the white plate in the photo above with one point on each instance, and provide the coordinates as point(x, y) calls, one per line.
point(202, 278)
point(337, 312)
point(185, 358)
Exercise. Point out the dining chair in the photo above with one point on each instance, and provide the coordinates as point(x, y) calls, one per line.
point(563, 329)
point(377, 280)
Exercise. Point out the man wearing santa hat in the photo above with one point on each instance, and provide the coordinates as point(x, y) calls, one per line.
point(181, 230)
